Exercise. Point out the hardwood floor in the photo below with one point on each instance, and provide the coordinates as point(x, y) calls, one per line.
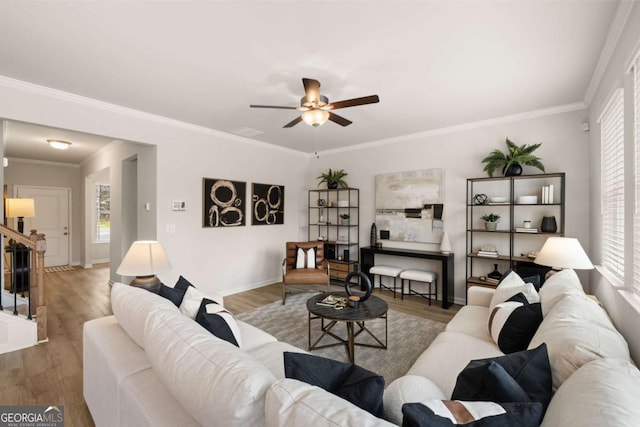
point(51, 373)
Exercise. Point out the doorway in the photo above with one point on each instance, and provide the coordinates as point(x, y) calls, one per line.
point(52, 218)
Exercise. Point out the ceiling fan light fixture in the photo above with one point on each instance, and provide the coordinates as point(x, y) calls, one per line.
point(315, 118)
point(58, 144)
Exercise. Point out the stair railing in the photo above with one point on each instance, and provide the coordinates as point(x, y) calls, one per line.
point(34, 243)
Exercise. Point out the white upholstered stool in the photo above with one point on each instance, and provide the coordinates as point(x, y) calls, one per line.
point(427, 277)
point(389, 271)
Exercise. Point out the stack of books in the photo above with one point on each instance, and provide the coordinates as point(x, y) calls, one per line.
point(526, 230)
point(490, 254)
point(334, 301)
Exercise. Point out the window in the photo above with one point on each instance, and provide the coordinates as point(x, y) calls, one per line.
point(612, 170)
point(103, 213)
point(636, 144)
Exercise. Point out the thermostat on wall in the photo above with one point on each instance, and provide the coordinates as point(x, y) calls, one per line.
point(178, 205)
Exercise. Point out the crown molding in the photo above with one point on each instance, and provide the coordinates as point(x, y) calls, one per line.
point(41, 162)
point(130, 112)
point(551, 111)
point(613, 37)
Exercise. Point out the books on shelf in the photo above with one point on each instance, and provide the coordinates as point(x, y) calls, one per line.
point(491, 280)
point(526, 230)
point(547, 194)
point(490, 254)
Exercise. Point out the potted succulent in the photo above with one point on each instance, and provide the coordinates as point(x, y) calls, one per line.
point(344, 219)
point(512, 161)
point(333, 179)
point(490, 221)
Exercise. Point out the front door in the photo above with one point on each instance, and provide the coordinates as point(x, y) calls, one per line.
point(51, 218)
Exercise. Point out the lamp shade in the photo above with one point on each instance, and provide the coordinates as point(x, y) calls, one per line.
point(144, 258)
point(16, 208)
point(563, 252)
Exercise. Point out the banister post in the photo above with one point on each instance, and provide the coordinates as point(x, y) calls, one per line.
point(41, 306)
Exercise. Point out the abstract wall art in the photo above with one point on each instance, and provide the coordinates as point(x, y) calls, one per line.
point(223, 202)
point(267, 204)
point(409, 205)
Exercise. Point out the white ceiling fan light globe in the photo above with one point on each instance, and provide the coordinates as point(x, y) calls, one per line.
point(315, 118)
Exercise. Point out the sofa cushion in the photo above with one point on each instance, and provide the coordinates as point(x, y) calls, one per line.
point(271, 355)
point(524, 376)
point(577, 330)
point(471, 320)
point(359, 386)
point(558, 286)
point(447, 355)
point(132, 305)
point(253, 337)
point(513, 323)
point(603, 392)
point(220, 322)
point(293, 403)
point(436, 413)
point(407, 389)
point(211, 378)
point(510, 285)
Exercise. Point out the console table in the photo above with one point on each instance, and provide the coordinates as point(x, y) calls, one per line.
point(367, 257)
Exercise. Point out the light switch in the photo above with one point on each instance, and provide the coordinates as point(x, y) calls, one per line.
point(147, 206)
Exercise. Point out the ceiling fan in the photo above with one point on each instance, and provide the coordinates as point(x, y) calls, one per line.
point(317, 109)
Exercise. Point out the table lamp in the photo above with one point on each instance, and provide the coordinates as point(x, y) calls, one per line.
point(563, 252)
point(143, 260)
point(20, 208)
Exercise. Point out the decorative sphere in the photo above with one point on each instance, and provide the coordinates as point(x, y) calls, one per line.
point(480, 199)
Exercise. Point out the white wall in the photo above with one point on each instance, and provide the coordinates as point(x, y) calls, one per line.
point(20, 172)
point(222, 260)
point(622, 306)
point(564, 149)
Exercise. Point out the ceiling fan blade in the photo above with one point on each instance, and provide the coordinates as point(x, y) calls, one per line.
point(311, 89)
point(372, 99)
point(339, 119)
point(273, 106)
point(293, 122)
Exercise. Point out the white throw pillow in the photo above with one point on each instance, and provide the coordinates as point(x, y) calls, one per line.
point(311, 258)
point(407, 389)
point(300, 259)
point(191, 301)
point(577, 330)
point(510, 286)
point(558, 286)
point(601, 393)
point(132, 305)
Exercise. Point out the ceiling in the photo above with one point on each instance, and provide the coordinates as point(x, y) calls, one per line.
point(434, 64)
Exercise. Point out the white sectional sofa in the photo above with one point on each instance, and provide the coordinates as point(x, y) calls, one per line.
point(150, 365)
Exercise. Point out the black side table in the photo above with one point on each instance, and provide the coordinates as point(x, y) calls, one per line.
point(372, 308)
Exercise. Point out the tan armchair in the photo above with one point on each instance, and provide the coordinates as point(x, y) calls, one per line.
point(304, 276)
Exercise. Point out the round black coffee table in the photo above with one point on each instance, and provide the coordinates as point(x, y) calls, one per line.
point(372, 308)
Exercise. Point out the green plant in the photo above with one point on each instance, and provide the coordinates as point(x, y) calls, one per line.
point(344, 216)
point(521, 155)
point(333, 178)
point(490, 217)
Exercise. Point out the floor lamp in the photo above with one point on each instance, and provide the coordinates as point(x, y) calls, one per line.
point(143, 260)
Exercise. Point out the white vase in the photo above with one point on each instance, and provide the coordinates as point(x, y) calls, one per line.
point(445, 244)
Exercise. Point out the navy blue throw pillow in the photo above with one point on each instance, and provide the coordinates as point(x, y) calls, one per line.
point(174, 295)
point(513, 324)
point(217, 324)
point(471, 414)
point(530, 369)
point(183, 284)
point(359, 386)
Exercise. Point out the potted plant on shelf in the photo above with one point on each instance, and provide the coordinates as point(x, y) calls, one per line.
point(512, 161)
point(490, 221)
point(344, 219)
point(333, 179)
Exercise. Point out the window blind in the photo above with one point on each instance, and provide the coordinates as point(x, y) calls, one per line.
point(612, 175)
point(636, 144)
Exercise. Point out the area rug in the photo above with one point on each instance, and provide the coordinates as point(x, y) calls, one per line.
point(58, 269)
point(408, 335)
